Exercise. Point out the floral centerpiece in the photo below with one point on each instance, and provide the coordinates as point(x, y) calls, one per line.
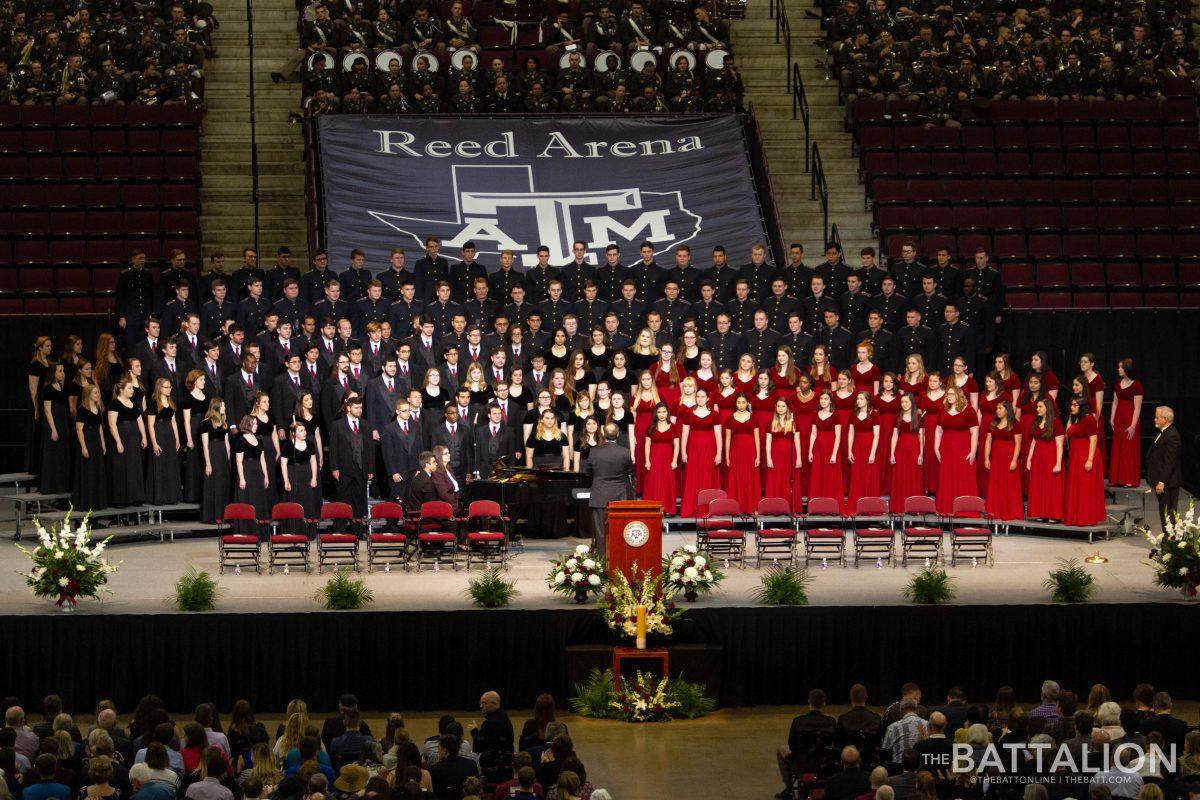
point(1175, 553)
point(689, 570)
point(624, 596)
point(578, 574)
point(643, 698)
point(65, 563)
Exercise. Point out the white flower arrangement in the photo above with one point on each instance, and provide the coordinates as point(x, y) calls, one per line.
point(687, 570)
point(66, 565)
point(578, 573)
point(1175, 553)
point(619, 605)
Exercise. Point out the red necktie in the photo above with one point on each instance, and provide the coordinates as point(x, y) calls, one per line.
point(404, 426)
point(212, 368)
point(451, 428)
point(517, 351)
point(343, 381)
point(356, 373)
point(285, 347)
point(404, 369)
point(296, 380)
point(237, 350)
point(388, 382)
point(499, 374)
point(172, 368)
point(474, 354)
point(495, 430)
point(354, 426)
point(250, 381)
point(504, 411)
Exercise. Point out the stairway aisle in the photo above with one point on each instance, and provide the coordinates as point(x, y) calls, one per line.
point(227, 219)
point(763, 65)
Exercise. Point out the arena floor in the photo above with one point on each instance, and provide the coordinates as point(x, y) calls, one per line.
point(147, 572)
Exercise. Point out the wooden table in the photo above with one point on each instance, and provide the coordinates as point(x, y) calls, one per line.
point(622, 654)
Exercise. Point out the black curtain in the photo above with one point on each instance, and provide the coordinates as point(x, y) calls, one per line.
point(421, 660)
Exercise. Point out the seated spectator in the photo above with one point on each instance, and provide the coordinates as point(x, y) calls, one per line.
point(100, 745)
point(1108, 719)
point(859, 720)
point(45, 785)
point(955, 709)
point(1049, 704)
point(905, 732)
point(524, 781)
point(155, 768)
point(1122, 782)
point(163, 733)
point(100, 775)
point(347, 747)
point(935, 750)
point(465, 750)
point(533, 732)
point(351, 782)
point(451, 769)
point(194, 744)
point(253, 789)
point(905, 784)
point(1173, 729)
point(877, 779)
point(310, 750)
point(569, 787)
point(804, 735)
point(496, 732)
point(262, 768)
point(335, 726)
point(1130, 723)
point(408, 759)
point(572, 765)
point(893, 713)
point(561, 748)
point(852, 781)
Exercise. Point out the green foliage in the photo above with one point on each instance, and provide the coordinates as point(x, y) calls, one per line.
point(594, 698)
point(783, 586)
point(344, 593)
point(491, 589)
point(689, 699)
point(930, 587)
point(196, 590)
point(1070, 583)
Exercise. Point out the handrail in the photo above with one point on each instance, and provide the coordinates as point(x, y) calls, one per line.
point(819, 185)
point(254, 188)
point(834, 234)
point(784, 28)
point(800, 103)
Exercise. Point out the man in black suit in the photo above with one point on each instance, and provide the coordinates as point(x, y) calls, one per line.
point(494, 440)
point(451, 769)
point(955, 339)
point(1172, 728)
point(610, 468)
point(190, 354)
point(1164, 471)
point(837, 340)
point(852, 781)
point(955, 710)
point(284, 391)
point(211, 366)
point(935, 750)
point(148, 348)
point(399, 441)
point(455, 436)
point(382, 393)
point(883, 343)
point(350, 458)
point(334, 389)
point(425, 348)
point(169, 367)
point(422, 489)
point(804, 737)
point(239, 389)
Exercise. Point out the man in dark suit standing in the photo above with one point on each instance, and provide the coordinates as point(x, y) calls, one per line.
point(400, 445)
point(610, 469)
point(284, 391)
point(1164, 472)
point(148, 347)
point(382, 393)
point(455, 436)
point(350, 457)
point(239, 389)
point(494, 440)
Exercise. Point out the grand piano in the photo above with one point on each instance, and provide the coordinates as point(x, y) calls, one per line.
point(517, 489)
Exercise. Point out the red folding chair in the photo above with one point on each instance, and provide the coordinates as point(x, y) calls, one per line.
point(384, 546)
point(920, 534)
point(873, 532)
point(337, 549)
point(287, 549)
point(483, 540)
point(703, 501)
point(238, 549)
point(824, 530)
point(725, 539)
point(970, 540)
point(774, 536)
point(437, 543)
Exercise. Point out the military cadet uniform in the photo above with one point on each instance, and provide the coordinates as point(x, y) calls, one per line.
point(243, 275)
point(402, 314)
point(462, 279)
point(354, 283)
point(741, 314)
point(854, 310)
point(954, 340)
point(673, 313)
point(779, 309)
point(705, 315)
point(537, 282)
point(883, 354)
point(442, 313)
point(631, 315)
point(976, 312)
point(723, 280)
point(921, 341)
point(213, 316)
point(574, 276)
point(169, 280)
point(801, 345)
point(812, 311)
point(798, 278)
point(294, 311)
point(645, 280)
point(590, 314)
point(334, 311)
point(688, 279)
point(762, 345)
point(174, 313)
point(840, 344)
point(608, 281)
point(135, 300)
point(367, 311)
point(277, 276)
point(312, 285)
point(931, 306)
point(726, 348)
point(553, 313)
point(891, 307)
point(481, 312)
point(251, 312)
point(501, 283)
point(759, 276)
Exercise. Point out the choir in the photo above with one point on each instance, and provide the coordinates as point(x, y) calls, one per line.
point(706, 395)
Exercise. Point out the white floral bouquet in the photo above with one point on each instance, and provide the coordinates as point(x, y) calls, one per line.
point(578, 573)
point(690, 570)
point(1175, 553)
point(66, 564)
point(643, 698)
point(620, 604)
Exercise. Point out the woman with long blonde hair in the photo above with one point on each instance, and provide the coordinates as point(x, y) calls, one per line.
point(214, 447)
point(163, 486)
point(955, 444)
point(863, 450)
point(127, 430)
point(915, 379)
point(784, 454)
point(645, 400)
point(91, 478)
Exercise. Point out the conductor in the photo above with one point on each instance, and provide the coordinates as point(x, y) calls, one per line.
point(610, 468)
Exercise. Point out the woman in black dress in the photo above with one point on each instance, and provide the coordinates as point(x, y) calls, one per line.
point(558, 353)
point(620, 415)
point(56, 433)
point(35, 377)
point(135, 369)
point(107, 364)
point(586, 437)
point(128, 436)
point(544, 402)
point(619, 376)
point(162, 465)
point(270, 444)
point(78, 388)
point(434, 396)
point(564, 401)
point(547, 447)
point(580, 377)
point(305, 414)
point(518, 392)
point(214, 446)
point(194, 404)
point(301, 483)
point(91, 476)
point(252, 484)
point(72, 355)
point(598, 355)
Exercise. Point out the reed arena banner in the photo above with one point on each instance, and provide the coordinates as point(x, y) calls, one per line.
point(517, 183)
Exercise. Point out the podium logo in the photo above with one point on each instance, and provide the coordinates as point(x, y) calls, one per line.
point(499, 208)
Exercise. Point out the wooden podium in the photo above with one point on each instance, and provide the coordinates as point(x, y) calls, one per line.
point(635, 536)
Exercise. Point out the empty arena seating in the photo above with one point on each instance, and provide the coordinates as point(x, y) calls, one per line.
point(1082, 203)
point(81, 187)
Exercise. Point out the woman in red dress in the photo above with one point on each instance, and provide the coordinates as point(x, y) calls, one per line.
point(1084, 504)
point(955, 445)
point(804, 412)
point(705, 374)
point(1026, 413)
point(743, 448)
point(915, 380)
point(660, 458)
point(930, 405)
point(907, 453)
point(700, 448)
point(1039, 365)
point(1009, 380)
point(784, 374)
point(820, 371)
point(1095, 387)
point(746, 376)
point(863, 451)
point(668, 374)
point(864, 373)
point(843, 403)
point(993, 395)
point(1125, 467)
point(645, 400)
point(1001, 452)
point(887, 406)
point(783, 454)
point(1045, 463)
point(725, 395)
point(762, 403)
point(682, 410)
point(823, 445)
point(963, 380)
